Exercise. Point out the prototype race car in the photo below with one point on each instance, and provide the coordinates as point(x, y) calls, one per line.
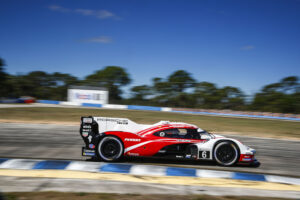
point(110, 139)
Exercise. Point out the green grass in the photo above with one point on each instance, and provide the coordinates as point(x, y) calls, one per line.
point(102, 196)
point(242, 126)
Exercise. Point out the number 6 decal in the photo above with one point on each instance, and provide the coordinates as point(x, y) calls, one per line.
point(204, 154)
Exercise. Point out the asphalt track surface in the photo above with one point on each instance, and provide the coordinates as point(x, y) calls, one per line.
point(47, 141)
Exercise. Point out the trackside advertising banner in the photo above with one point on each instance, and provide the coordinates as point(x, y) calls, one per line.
point(88, 96)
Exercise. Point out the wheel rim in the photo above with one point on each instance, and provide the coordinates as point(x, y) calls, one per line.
point(110, 149)
point(226, 154)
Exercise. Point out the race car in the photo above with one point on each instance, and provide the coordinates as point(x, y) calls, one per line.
point(110, 139)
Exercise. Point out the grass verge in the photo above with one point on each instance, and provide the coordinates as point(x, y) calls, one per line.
point(102, 196)
point(241, 126)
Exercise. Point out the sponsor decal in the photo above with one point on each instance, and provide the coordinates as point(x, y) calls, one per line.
point(85, 134)
point(87, 120)
point(87, 126)
point(90, 139)
point(133, 154)
point(88, 152)
point(136, 146)
point(246, 158)
point(83, 96)
point(132, 139)
point(118, 121)
point(91, 146)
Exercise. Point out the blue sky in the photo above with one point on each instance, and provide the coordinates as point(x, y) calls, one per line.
point(246, 44)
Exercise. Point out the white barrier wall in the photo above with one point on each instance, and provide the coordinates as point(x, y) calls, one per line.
point(88, 96)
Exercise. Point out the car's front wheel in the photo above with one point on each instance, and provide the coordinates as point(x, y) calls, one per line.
point(110, 148)
point(226, 153)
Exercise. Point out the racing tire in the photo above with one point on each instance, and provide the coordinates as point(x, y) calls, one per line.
point(226, 153)
point(110, 149)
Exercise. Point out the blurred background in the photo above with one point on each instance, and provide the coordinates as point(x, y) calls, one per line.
point(239, 59)
point(196, 54)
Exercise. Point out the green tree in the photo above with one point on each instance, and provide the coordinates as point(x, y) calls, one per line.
point(61, 83)
point(290, 84)
point(36, 84)
point(3, 79)
point(183, 100)
point(180, 80)
point(41, 85)
point(162, 90)
point(160, 86)
point(2, 73)
point(231, 98)
point(278, 97)
point(170, 90)
point(141, 92)
point(206, 95)
point(111, 77)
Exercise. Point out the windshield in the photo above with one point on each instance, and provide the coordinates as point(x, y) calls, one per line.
point(205, 134)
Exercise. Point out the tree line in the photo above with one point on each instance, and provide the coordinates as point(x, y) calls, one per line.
point(179, 89)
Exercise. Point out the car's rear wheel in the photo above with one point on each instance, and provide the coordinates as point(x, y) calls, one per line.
point(226, 153)
point(110, 149)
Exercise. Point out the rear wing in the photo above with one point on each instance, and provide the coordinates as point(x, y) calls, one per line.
point(105, 124)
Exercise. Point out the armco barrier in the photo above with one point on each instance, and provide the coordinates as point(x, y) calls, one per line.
point(114, 106)
point(143, 170)
point(48, 101)
point(91, 105)
point(17, 100)
point(69, 103)
point(237, 115)
point(133, 107)
point(10, 101)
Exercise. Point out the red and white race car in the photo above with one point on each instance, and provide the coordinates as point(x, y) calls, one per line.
point(112, 138)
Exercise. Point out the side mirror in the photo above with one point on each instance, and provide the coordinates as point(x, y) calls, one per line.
point(205, 137)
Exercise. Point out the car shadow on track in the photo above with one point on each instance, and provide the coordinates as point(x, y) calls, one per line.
point(176, 162)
